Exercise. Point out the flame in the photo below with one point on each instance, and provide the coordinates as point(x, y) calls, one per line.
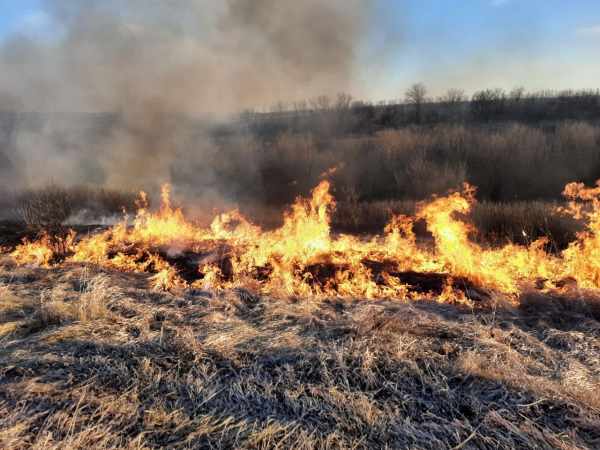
point(34, 254)
point(304, 258)
point(332, 170)
point(40, 253)
point(582, 257)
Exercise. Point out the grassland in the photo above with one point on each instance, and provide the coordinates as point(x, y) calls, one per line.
point(93, 359)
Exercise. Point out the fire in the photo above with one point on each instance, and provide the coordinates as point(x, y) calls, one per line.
point(582, 258)
point(304, 258)
point(35, 254)
point(332, 170)
point(41, 252)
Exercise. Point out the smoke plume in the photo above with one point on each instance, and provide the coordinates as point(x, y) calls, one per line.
point(139, 73)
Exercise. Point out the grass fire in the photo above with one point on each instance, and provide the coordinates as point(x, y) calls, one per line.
point(303, 258)
point(316, 224)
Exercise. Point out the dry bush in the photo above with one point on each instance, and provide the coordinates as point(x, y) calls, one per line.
point(113, 201)
point(95, 298)
point(496, 222)
point(48, 208)
point(506, 162)
point(422, 177)
point(524, 222)
point(53, 310)
point(354, 215)
point(347, 213)
point(44, 211)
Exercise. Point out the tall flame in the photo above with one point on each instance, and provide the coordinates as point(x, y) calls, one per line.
point(303, 258)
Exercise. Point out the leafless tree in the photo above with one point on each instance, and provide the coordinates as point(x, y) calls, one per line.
point(320, 102)
point(344, 101)
point(416, 95)
point(452, 100)
point(247, 117)
point(300, 106)
point(278, 107)
point(575, 103)
point(517, 93)
point(488, 104)
point(44, 210)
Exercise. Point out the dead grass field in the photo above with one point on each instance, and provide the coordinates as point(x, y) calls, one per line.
point(96, 360)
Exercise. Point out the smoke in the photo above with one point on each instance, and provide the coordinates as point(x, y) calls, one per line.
point(144, 71)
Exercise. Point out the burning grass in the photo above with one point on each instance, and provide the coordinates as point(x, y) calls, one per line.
point(96, 360)
point(262, 339)
point(303, 257)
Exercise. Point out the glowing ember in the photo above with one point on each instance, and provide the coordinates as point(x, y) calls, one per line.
point(302, 258)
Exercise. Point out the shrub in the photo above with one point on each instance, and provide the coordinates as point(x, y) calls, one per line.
point(44, 211)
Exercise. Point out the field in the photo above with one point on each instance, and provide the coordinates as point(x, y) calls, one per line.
point(283, 224)
point(364, 295)
point(159, 332)
point(93, 359)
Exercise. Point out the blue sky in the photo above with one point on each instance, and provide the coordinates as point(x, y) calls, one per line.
point(21, 16)
point(474, 44)
point(445, 43)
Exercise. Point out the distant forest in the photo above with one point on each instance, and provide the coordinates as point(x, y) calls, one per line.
point(342, 114)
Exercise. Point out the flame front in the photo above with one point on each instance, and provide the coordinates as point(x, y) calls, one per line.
point(303, 258)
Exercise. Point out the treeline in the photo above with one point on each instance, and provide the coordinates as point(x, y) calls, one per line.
point(343, 114)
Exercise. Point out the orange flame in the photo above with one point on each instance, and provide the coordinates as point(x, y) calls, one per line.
point(332, 170)
point(303, 258)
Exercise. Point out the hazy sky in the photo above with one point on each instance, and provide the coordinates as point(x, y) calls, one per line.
point(473, 44)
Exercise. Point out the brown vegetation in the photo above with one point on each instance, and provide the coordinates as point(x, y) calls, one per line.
point(97, 361)
point(511, 162)
point(92, 359)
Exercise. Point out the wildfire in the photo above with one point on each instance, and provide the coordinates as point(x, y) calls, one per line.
point(332, 170)
point(303, 258)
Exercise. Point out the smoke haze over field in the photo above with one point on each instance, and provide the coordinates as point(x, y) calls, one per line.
point(140, 84)
point(151, 62)
point(184, 55)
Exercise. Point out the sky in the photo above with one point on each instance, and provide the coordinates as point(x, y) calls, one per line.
point(22, 16)
point(471, 44)
point(475, 44)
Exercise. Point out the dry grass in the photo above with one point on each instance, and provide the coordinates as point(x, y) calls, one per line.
point(117, 366)
point(58, 305)
point(524, 222)
point(512, 162)
point(51, 205)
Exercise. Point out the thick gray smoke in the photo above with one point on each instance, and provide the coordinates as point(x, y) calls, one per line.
point(144, 71)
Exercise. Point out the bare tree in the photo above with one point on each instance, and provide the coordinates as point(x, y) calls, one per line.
point(320, 102)
point(575, 103)
point(517, 93)
point(452, 101)
point(344, 101)
point(488, 104)
point(247, 117)
point(44, 210)
point(300, 106)
point(415, 95)
point(278, 107)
